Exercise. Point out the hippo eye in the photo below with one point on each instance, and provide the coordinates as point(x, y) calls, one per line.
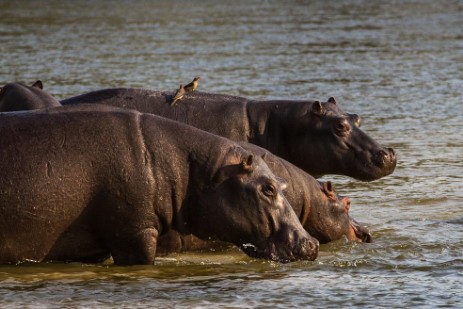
point(342, 127)
point(268, 190)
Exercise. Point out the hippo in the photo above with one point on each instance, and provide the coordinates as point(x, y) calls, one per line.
point(17, 97)
point(322, 212)
point(317, 137)
point(85, 185)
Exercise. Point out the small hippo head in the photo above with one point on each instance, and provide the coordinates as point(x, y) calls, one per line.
point(329, 218)
point(17, 97)
point(337, 144)
point(245, 206)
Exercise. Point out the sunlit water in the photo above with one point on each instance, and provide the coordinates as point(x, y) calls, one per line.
point(399, 64)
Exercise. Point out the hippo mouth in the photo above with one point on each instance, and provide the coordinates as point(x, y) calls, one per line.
point(284, 251)
point(361, 233)
point(381, 163)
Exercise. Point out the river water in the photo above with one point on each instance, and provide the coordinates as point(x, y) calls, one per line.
point(398, 64)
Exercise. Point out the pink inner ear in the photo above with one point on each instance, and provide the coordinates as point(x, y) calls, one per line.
point(329, 186)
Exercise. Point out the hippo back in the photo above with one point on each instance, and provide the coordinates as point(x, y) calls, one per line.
point(219, 114)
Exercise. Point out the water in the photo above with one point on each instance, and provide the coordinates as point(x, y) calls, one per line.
point(399, 64)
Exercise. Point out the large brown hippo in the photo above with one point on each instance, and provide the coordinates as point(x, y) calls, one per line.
point(17, 97)
point(83, 185)
point(317, 137)
point(322, 212)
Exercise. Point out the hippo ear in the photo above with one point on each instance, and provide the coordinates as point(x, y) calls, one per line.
point(246, 164)
point(38, 84)
point(317, 108)
point(332, 100)
point(327, 187)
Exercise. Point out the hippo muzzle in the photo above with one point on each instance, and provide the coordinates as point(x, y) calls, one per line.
point(385, 158)
point(286, 246)
point(359, 233)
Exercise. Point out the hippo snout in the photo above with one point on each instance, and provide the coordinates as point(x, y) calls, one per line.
point(305, 249)
point(286, 246)
point(358, 232)
point(385, 157)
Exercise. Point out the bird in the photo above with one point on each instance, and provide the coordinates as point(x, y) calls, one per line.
point(178, 95)
point(193, 85)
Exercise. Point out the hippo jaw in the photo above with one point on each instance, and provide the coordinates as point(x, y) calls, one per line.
point(286, 246)
point(374, 164)
point(359, 233)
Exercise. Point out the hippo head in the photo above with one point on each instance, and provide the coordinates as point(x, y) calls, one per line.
point(337, 144)
point(329, 218)
point(17, 96)
point(245, 206)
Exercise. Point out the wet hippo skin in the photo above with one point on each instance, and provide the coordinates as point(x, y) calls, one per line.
point(83, 185)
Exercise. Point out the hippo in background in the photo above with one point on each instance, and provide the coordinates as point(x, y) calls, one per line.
point(317, 137)
point(18, 97)
point(321, 211)
point(84, 185)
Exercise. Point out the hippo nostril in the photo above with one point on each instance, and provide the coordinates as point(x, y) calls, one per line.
point(380, 157)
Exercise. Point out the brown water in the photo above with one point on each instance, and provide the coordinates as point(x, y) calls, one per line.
point(399, 64)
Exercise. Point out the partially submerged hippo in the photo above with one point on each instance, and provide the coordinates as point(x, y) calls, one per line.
point(322, 212)
point(83, 185)
point(317, 137)
point(17, 97)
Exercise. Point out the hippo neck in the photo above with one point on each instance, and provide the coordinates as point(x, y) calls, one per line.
point(270, 121)
point(194, 158)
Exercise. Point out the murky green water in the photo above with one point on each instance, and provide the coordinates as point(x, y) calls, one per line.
point(399, 64)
